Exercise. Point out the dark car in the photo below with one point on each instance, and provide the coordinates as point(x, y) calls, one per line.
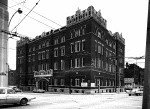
point(15, 89)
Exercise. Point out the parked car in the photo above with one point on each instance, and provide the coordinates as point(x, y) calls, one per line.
point(38, 91)
point(9, 96)
point(135, 91)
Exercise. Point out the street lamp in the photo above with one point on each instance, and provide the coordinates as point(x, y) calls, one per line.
point(18, 11)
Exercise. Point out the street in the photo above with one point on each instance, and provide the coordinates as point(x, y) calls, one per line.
point(81, 101)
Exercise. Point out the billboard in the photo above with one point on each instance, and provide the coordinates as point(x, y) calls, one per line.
point(128, 80)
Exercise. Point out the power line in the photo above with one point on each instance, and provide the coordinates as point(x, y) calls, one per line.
point(17, 4)
point(36, 20)
point(42, 16)
point(26, 15)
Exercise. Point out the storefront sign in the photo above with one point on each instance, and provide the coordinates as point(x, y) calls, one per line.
point(43, 73)
point(92, 84)
point(84, 84)
point(128, 80)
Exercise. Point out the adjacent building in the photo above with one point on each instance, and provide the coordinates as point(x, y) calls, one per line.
point(82, 56)
point(133, 76)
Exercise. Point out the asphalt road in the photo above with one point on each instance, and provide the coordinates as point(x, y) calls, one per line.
point(81, 101)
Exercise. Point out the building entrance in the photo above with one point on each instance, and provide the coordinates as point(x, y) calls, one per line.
point(43, 84)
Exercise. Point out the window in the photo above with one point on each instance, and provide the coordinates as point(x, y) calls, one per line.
point(33, 68)
point(95, 45)
point(40, 46)
point(83, 30)
point(71, 63)
point(62, 51)
point(39, 56)
point(62, 39)
point(110, 67)
point(99, 48)
point(55, 52)
point(33, 57)
point(29, 58)
point(77, 46)
point(47, 54)
point(83, 62)
point(2, 91)
point(55, 81)
point(62, 64)
point(43, 55)
point(47, 44)
point(79, 33)
point(33, 48)
point(46, 66)
point(55, 65)
point(77, 82)
point(99, 34)
point(76, 33)
point(83, 45)
point(30, 49)
point(55, 41)
point(43, 44)
point(72, 47)
point(99, 63)
point(77, 62)
point(62, 81)
point(102, 50)
point(39, 67)
point(10, 91)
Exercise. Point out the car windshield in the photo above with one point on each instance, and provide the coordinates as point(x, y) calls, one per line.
point(2, 91)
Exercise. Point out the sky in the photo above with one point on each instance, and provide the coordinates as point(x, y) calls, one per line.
point(128, 17)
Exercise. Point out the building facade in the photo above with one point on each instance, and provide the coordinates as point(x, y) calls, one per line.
point(133, 75)
point(82, 56)
point(3, 43)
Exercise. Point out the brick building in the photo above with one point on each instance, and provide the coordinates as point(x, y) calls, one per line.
point(82, 56)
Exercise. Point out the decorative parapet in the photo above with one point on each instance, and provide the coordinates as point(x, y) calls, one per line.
point(85, 14)
point(119, 37)
point(22, 41)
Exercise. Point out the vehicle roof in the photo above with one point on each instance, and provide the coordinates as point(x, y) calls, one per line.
point(5, 88)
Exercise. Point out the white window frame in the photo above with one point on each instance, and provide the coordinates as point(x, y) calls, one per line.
point(55, 65)
point(77, 82)
point(83, 45)
point(71, 47)
point(62, 64)
point(62, 50)
point(71, 63)
point(77, 62)
point(77, 46)
point(62, 39)
point(56, 41)
point(55, 52)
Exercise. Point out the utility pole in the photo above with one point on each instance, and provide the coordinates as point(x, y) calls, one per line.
point(146, 94)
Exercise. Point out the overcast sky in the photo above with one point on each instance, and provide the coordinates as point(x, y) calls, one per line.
point(128, 17)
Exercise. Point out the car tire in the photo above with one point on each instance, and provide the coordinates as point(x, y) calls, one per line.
point(129, 94)
point(23, 102)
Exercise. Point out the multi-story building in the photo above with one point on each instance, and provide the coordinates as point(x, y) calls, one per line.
point(82, 56)
point(133, 75)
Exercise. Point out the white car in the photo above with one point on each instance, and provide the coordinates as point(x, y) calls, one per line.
point(9, 96)
point(135, 91)
point(38, 91)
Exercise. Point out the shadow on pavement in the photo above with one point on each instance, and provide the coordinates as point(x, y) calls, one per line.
point(9, 106)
